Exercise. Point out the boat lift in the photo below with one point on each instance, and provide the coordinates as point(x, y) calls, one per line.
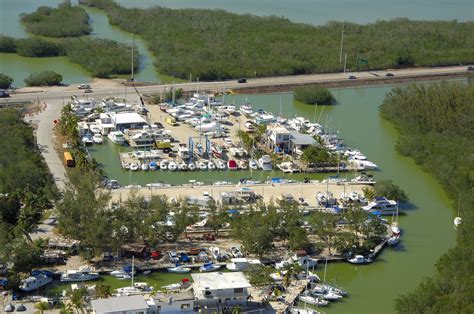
point(191, 146)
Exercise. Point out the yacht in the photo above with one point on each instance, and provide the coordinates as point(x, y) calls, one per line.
point(192, 166)
point(240, 264)
point(87, 140)
point(182, 166)
point(82, 274)
point(202, 165)
point(183, 151)
point(209, 267)
point(265, 163)
point(288, 167)
point(172, 166)
point(253, 164)
point(120, 274)
point(382, 206)
point(164, 164)
point(36, 280)
point(360, 259)
point(97, 138)
point(153, 165)
point(137, 288)
point(211, 165)
point(221, 164)
point(134, 166)
point(296, 310)
point(116, 137)
point(393, 240)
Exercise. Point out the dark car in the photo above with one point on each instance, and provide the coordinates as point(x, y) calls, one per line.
point(242, 80)
point(4, 93)
point(87, 91)
point(21, 308)
point(471, 68)
point(352, 77)
point(389, 74)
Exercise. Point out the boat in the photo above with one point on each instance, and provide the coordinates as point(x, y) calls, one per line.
point(153, 165)
point(253, 164)
point(164, 164)
point(246, 109)
point(240, 264)
point(84, 273)
point(211, 165)
point(208, 127)
point(209, 267)
point(97, 138)
point(179, 270)
point(136, 288)
point(360, 259)
point(146, 272)
point(116, 137)
point(134, 166)
point(394, 226)
point(87, 140)
point(457, 221)
point(216, 150)
point(236, 252)
point(144, 166)
point(221, 165)
point(232, 165)
point(182, 166)
point(37, 279)
point(327, 295)
point(381, 205)
point(323, 288)
point(183, 151)
point(120, 274)
point(172, 166)
point(393, 240)
point(265, 163)
point(191, 166)
point(313, 301)
point(243, 165)
point(202, 165)
point(288, 167)
point(172, 287)
point(297, 310)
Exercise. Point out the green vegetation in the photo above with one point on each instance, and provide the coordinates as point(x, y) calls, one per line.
point(64, 21)
point(45, 78)
point(102, 57)
point(314, 95)
point(318, 154)
point(26, 187)
point(435, 124)
point(5, 81)
point(214, 44)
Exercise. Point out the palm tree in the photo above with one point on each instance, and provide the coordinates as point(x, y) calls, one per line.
point(42, 306)
point(103, 291)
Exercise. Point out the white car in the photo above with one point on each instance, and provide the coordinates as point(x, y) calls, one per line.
point(84, 86)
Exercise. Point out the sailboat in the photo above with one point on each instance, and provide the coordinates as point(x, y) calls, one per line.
point(458, 219)
point(395, 227)
point(135, 288)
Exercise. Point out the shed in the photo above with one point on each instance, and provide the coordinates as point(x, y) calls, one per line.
point(128, 120)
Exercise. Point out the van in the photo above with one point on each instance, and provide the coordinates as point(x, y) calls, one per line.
point(171, 121)
point(68, 160)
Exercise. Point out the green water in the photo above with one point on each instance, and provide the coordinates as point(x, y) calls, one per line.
point(307, 11)
point(427, 227)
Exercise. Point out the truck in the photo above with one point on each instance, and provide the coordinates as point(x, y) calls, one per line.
point(171, 121)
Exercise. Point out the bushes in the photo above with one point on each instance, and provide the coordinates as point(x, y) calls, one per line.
point(314, 95)
point(7, 44)
point(214, 44)
point(65, 21)
point(5, 81)
point(35, 47)
point(45, 78)
point(435, 125)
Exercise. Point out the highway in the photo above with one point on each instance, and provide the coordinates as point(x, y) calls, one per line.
point(114, 88)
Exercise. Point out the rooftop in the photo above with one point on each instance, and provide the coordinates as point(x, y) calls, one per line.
point(277, 128)
point(301, 139)
point(220, 280)
point(119, 304)
point(128, 117)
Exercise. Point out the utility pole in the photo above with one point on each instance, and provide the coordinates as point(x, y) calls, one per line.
point(345, 62)
point(133, 54)
point(342, 43)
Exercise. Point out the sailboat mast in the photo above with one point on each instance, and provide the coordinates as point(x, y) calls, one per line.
point(133, 268)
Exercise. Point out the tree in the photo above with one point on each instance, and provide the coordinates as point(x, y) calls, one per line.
point(45, 78)
point(5, 81)
point(42, 306)
point(388, 189)
point(314, 95)
point(356, 218)
point(77, 298)
point(253, 230)
point(317, 154)
point(324, 226)
point(103, 291)
point(299, 239)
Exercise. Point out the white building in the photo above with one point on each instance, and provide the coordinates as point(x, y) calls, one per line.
point(175, 303)
point(220, 287)
point(128, 120)
point(135, 304)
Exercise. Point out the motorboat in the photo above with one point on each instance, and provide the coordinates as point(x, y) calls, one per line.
point(228, 142)
point(221, 164)
point(246, 109)
point(36, 280)
point(173, 286)
point(84, 273)
point(134, 166)
point(240, 264)
point(457, 221)
point(94, 128)
point(395, 227)
point(87, 140)
point(144, 166)
point(323, 288)
point(265, 163)
point(243, 165)
point(288, 167)
point(211, 165)
point(253, 164)
point(97, 138)
point(183, 151)
point(137, 288)
point(179, 270)
point(172, 166)
point(232, 165)
point(153, 165)
point(202, 165)
point(381, 205)
point(327, 295)
point(360, 259)
point(326, 199)
point(164, 164)
point(215, 252)
point(192, 166)
point(393, 240)
point(297, 310)
point(116, 137)
point(313, 301)
point(121, 274)
point(209, 267)
point(216, 150)
point(236, 252)
point(182, 166)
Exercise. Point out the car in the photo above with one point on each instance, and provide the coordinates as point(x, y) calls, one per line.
point(352, 77)
point(84, 86)
point(389, 74)
point(471, 68)
point(9, 308)
point(242, 80)
point(88, 91)
point(21, 308)
point(4, 93)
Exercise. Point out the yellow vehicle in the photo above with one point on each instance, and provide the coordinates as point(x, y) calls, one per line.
point(68, 160)
point(171, 121)
point(162, 144)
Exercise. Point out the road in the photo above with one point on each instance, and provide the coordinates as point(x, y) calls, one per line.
point(58, 93)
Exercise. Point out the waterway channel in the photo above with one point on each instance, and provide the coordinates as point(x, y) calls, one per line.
point(427, 225)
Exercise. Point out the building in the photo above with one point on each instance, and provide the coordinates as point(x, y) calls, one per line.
point(299, 142)
point(175, 303)
point(278, 137)
point(134, 304)
point(221, 288)
point(128, 120)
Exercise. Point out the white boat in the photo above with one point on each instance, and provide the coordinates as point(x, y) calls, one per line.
point(192, 166)
point(253, 164)
point(120, 274)
point(116, 137)
point(137, 288)
point(172, 287)
point(393, 240)
point(87, 140)
point(36, 280)
point(394, 226)
point(457, 221)
point(208, 127)
point(313, 301)
point(323, 288)
point(221, 164)
point(182, 166)
point(202, 165)
point(227, 109)
point(265, 163)
point(242, 164)
point(94, 128)
point(172, 166)
point(164, 164)
point(236, 252)
point(240, 264)
point(183, 151)
point(288, 167)
point(144, 166)
point(360, 259)
point(246, 109)
point(328, 295)
point(84, 273)
point(297, 310)
point(179, 270)
point(211, 165)
point(381, 205)
point(134, 166)
point(216, 150)
point(97, 138)
point(209, 267)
